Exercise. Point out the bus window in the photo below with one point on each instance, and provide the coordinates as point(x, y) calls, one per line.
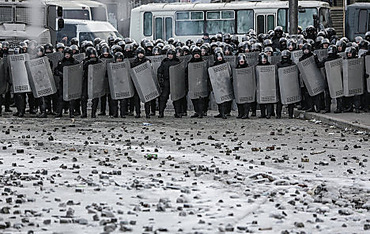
point(168, 28)
point(270, 22)
point(282, 19)
point(6, 14)
point(305, 16)
point(98, 13)
point(68, 31)
point(245, 21)
point(148, 24)
point(362, 20)
point(189, 23)
point(220, 21)
point(325, 19)
point(76, 14)
point(158, 28)
point(260, 24)
point(368, 23)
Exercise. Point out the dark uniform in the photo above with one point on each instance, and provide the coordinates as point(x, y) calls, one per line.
point(140, 59)
point(243, 109)
point(285, 62)
point(263, 61)
point(164, 82)
point(59, 72)
point(91, 59)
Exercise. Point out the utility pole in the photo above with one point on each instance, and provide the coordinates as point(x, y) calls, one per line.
point(293, 16)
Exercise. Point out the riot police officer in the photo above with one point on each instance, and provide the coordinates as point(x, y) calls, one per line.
point(243, 109)
point(67, 60)
point(140, 59)
point(91, 58)
point(164, 82)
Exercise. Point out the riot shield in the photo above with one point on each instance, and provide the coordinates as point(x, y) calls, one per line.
point(185, 59)
point(311, 76)
point(244, 83)
point(368, 84)
point(290, 90)
point(18, 73)
point(221, 82)
point(342, 54)
point(72, 82)
point(296, 55)
point(266, 84)
point(232, 60)
point(334, 77)
point(353, 75)
point(274, 59)
point(79, 57)
point(209, 59)
point(3, 79)
point(55, 58)
point(177, 81)
point(252, 58)
point(198, 80)
point(156, 62)
point(97, 80)
point(321, 54)
point(120, 83)
point(40, 77)
point(145, 82)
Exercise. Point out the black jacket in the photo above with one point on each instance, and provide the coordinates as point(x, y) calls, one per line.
point(163, 72)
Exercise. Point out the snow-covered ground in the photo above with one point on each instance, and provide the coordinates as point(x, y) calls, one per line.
point(210, 176)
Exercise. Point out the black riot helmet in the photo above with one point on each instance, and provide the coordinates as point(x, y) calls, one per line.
point(291, 44)
point(341, 46)
point(97, 41)
point(115, 49)
point(118, 55)
point(278, 32)
point(196, 50)
point(332, 51)
point(256, 47)
point(40, 51)
point(185, 50)
point(307, 48)
point(219, 55)
point(227, 38)
point(75, 49)
point(49, 48)
point(156, 50)
point(268, 50)
point(117, 39)
point(171, 51)
point(74, 41)
point(106, 50)
point(165, 49)
point(60, 46)
point(262, 58)
point(283, 44)
point(171, 40)
point(242, 60)
point(111, 40)
point(285, 56)
point(267, 42)
point(199, 42)
point(90, 52)
point(351, 52)
point(140, 50)
point(17, 50)
point(311, 32)
point(68, 50)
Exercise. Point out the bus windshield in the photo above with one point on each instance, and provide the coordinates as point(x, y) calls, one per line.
point(90, 36)
point(98, 13)
point(305, 16)
point(76, 14)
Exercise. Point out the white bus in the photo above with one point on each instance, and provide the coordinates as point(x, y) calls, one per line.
point(190, 20)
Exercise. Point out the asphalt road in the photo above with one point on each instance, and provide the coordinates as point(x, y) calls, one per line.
point(201, 176)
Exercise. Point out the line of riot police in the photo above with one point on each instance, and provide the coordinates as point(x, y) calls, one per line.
point(306, 71)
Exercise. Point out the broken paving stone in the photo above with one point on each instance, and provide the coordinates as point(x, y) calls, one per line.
point(299, 224)
point(345, 211)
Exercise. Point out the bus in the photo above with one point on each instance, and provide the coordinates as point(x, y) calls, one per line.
point(82, 9)
point(191, 20)
point(29, 19)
